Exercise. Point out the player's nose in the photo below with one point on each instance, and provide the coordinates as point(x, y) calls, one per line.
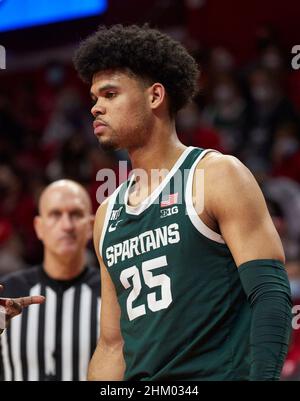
point(97, 109)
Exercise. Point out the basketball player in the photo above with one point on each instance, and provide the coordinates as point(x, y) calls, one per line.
point(188, 292)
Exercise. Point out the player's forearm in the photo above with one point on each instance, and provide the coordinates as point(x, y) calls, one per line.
point(267, 287)
point(107, 363)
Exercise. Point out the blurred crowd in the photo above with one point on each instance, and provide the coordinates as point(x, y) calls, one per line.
point(251, 111)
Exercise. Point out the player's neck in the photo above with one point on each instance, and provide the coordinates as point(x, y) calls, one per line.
point(161, 151)
point(63, 268)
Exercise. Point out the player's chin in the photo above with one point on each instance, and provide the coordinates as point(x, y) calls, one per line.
point(107, 144)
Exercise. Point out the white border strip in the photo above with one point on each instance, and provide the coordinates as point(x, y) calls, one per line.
point(84, 330)
point(193, 215)
point(5, 355)
point(67, 334)
point(32, 341)
point(50, 330)
point(15, 346)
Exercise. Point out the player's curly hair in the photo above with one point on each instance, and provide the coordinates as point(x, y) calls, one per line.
point(145, 52)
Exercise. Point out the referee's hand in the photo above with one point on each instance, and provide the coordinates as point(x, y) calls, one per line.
point(14, 306)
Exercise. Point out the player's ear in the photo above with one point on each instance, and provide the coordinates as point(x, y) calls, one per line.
point(37, 223)
point(157, 94)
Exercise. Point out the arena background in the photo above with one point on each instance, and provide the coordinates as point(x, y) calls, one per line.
point(248, 105)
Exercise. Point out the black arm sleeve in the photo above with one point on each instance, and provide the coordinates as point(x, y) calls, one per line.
point(268, 291)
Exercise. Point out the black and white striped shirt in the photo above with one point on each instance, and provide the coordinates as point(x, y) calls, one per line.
point(56, 340)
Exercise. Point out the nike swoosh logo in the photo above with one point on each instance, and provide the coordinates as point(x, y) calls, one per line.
point(113, 227)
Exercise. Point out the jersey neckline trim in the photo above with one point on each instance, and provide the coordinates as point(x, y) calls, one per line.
point(137, 210)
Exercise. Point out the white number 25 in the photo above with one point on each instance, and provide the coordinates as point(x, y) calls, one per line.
point(161, 280)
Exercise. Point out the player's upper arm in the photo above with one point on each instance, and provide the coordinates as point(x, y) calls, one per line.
point(235, 201)
point(110, 333)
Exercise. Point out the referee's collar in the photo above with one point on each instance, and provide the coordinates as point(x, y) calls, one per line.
point(62, 284)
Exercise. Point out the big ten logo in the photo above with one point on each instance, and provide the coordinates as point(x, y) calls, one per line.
point(2, 58)
point(296, 58)
point(168, 212)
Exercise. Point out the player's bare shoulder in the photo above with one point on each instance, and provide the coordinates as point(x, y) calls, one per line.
point(225, 171)
point(101, 219)
point(220, 166)
point(226, 179)
point(99, 222)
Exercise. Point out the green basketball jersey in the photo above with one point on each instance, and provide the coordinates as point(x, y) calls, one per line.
point(184, 314)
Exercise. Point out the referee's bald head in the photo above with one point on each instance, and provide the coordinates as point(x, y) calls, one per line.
point(64, 186)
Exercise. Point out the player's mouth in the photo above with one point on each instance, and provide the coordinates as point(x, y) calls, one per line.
point(99, 127)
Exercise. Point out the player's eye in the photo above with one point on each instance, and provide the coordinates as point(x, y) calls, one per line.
point(110, 95)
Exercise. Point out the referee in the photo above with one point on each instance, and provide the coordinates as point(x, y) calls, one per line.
point(55, 340)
